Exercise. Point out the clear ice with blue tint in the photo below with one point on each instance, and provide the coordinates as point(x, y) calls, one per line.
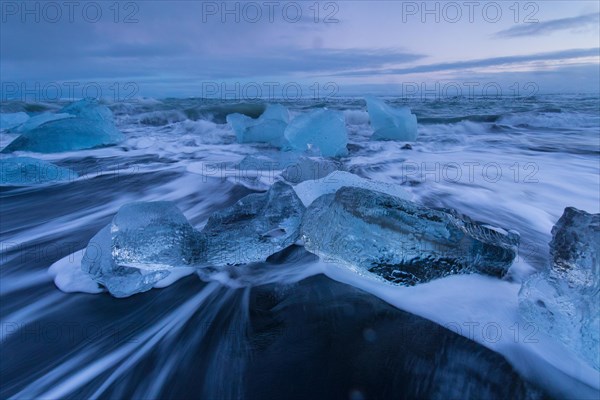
point(144, 242)
point(319, 132)
point(257, 226)
point(564, 299)
point(93, 126)
point(402, 242)
point(391, 123)
point(309, 168)
point(89, 109)
point(11, 120)
point(361, 226)
point(40, 119)
point(268, 128)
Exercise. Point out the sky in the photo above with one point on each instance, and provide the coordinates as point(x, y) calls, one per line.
point(308, 48)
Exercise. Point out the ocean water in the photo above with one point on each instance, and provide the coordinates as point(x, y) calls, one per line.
point(295, 326)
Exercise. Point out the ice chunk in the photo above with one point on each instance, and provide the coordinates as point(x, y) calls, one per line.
point(401, 241)
point(92, 127)
point(17, 171)
point(69, 277)
point(268, 128)
point(275, 112)
point(40, 119)
point(255, 227)
point(141, 246)
point(11, 120)
point(309, 191)
point(320, 131)
point(294, 168)
point(255, 171)
point(391, 123)
point(309, 168)
point(89, 109)
point(564, 299)
point(66, 135)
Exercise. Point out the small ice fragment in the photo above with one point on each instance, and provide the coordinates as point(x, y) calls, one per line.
point(93, 126)
point(309, 168)
point(257, 226)
point(391, 123)
point(140, 247)
point(564, 299)
point(319, 131)
point(268, 128)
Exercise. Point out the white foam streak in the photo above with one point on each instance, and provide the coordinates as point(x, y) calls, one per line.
point(485, 310)
point(146, 341)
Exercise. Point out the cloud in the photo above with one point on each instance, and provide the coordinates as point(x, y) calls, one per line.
point(309, 61)
point(547, 27)
point(562, 79)
point(153, 60)
point(486, 62)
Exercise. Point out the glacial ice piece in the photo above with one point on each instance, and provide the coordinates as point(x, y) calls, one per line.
point(401, 241)
point(93, 126)
point(10, 120)
point(89, 109)
point(309, 168)
point(66, 135)
point(391, 123)
point(257, 226)
point(321, 131)
point(268, 128)
point(258, 171)
point(276, 112)
point(309, 191)
point(18, 171)
point(142, 245)
point(40, 119)
point(564, 299)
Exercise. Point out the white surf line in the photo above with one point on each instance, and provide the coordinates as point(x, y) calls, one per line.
point(166, 332)
point(155, 383)
point(94, 369)
point(485, 309)
point(227, 362)
point(151, 387)
point(174, 190)
point(65, 223)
